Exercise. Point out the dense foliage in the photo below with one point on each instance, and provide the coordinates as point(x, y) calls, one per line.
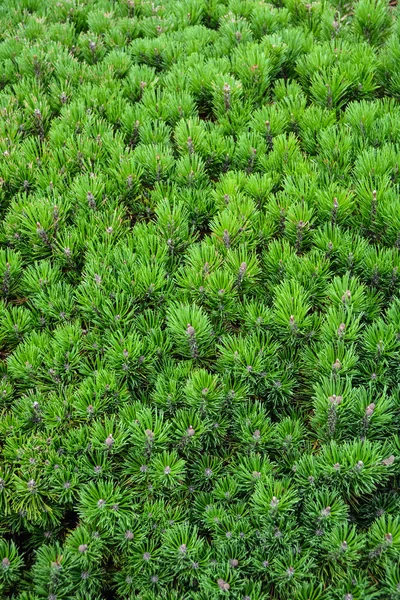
point(200, 299)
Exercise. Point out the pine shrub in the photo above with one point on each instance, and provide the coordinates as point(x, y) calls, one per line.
point(199, 300)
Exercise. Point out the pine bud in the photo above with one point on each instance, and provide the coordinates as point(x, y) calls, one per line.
point(388, 461)
point(337, 365)
point(242, 271)
point(369, 411)
point(346, 296)
point(91, 200)
point(82, 548)
point(335, 400)
point(43, 235)
point(223, 585)
point(5, 563)
point(109, 441)
point(190, 331)
point(341, 329)
point(226, 239)
point(227, 96)
point(300, 233)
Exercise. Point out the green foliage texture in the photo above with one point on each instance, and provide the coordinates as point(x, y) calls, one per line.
point(199, 300)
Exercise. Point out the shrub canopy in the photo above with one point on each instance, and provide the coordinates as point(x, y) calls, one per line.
point(200, 299)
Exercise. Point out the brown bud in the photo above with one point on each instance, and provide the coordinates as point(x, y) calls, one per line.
point(190, 331)
point(223, 585)
point(369, 411)
point(109, 441)
point(335, 400)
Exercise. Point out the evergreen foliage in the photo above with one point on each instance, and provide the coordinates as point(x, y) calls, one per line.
point(199, 299)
